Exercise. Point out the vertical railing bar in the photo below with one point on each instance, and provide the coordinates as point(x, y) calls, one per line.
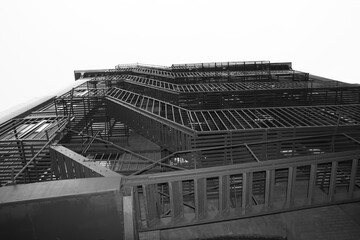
point(250, 189)
point(290, 187)
point(176, 201)
point(69, 167)
point(156, 207)
point(61, 163)
point(244, 192)
point(312, 182)
point(129, 212)
point(146, 205)
point(81, 171)
point(137, 207)
point(272, 184)
point(224, 194)
point(353, 177)
point(54, 164)
point(200, 197)
point(268, 187)
point(332, 184)
point(77, 170)
point(221, 194)
point(196, 199)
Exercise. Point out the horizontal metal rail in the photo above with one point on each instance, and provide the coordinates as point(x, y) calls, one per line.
point(120, 66)
point(210, 74)
point(189, 66)
point(221, 87)
point(169, 73)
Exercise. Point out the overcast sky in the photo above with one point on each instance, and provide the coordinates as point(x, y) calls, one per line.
point(43, 42)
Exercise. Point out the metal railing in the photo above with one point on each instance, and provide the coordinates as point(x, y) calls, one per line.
point(67, 164)
point(135, 65)
point(230, 192)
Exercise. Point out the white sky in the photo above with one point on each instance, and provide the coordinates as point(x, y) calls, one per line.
point(43, 42)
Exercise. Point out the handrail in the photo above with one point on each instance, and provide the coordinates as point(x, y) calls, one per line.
point(243, 190)
point(130, 65)
point(235, 63)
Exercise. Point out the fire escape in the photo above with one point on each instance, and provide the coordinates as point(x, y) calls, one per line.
point(196, 143)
